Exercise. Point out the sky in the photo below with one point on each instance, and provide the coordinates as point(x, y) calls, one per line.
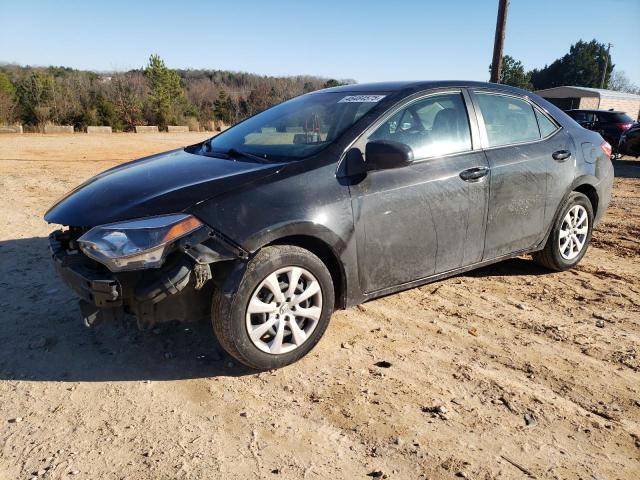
point(361, 40)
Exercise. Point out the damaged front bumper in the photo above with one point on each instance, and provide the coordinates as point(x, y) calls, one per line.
point(179, 290)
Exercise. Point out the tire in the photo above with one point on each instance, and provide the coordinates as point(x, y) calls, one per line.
point(234, 315)
point(552, 256)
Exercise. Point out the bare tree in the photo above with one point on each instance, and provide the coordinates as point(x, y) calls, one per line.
point(123, 100)
point(7, 108)
point(126, 93)
point(620, 82)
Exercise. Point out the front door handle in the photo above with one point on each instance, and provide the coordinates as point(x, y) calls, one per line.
point(561, 155)
point(473, 174)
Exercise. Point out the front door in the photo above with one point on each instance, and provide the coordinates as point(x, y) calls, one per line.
point(414, 221)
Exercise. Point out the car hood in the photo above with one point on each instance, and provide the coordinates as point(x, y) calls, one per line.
point(168, 182)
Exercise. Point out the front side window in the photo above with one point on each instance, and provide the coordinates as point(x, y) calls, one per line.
point(297, 128)
point(436, 125)
point(507, 119)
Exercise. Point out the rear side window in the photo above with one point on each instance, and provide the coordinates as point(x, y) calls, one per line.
point(436, 125)
point(578, 116)
point(583, 117)
point(507, 119)
point(547, 127)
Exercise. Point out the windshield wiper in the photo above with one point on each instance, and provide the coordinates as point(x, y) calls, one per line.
point(234, 153)
point(231, 153)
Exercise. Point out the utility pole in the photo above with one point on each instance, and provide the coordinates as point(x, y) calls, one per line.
point(606, 65)
point(498, 44)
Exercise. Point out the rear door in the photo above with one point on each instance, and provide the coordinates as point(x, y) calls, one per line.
point(525, 169)
point(414, 221)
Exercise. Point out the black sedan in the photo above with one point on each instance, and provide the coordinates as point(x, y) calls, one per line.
point(608, 123)
point(630, 141)
point(329, 200)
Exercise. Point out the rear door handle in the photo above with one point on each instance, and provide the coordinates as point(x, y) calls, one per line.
point(561, 155)
point(473, 174)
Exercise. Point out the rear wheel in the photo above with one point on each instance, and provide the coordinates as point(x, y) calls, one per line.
point(281, 308)
point(570, 236)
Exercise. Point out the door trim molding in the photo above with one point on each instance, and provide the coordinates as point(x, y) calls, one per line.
point(442, 275)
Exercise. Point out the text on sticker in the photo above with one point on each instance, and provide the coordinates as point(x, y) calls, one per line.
point(362, 98)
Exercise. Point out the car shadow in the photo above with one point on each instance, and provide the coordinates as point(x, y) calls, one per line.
point(518, 266)
point(43, 339)
point(626, 168)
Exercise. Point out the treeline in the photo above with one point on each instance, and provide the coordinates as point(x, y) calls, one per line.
point(155, 95)
point(582, 66)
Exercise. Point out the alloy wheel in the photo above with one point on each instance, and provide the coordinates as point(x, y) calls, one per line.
point(573, 232)
point(284, 310)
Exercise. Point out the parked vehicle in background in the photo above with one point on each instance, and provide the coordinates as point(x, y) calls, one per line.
point(630, 141)
point(329, 200)
point(608, 123)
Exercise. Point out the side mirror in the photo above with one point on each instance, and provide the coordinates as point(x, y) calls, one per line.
point(386, 154)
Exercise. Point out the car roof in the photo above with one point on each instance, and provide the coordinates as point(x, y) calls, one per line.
point(417, 85)
point(593, 110)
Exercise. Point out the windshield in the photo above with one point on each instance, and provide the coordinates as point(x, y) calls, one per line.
point(297, 128)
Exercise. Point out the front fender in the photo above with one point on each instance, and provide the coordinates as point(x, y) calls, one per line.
point(324, 243)
point(307, 228)
point(310, 205)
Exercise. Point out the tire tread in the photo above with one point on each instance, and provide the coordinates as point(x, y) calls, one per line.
point(222, 306)
point(547, 257)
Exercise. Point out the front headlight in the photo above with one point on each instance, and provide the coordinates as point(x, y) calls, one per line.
point(136, 244)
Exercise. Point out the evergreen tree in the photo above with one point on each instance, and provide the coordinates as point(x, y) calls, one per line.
point(167, 96)
point(223, 108)
point(332, 82)
point(35, 95)
point(106, 113)
point(513, 73)
point(581, 67)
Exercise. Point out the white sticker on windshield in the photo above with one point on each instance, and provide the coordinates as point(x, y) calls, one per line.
point(362, 98)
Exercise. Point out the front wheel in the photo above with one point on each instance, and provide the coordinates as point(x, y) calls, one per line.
point(570, 235)
point(281, 308)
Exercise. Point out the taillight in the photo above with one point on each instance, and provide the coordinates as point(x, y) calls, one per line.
point(606, 148)
point(623, 126)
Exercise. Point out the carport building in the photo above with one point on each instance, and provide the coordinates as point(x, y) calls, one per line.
point(568, 98)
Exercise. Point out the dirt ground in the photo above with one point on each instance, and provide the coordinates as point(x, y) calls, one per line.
point(506, 372)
